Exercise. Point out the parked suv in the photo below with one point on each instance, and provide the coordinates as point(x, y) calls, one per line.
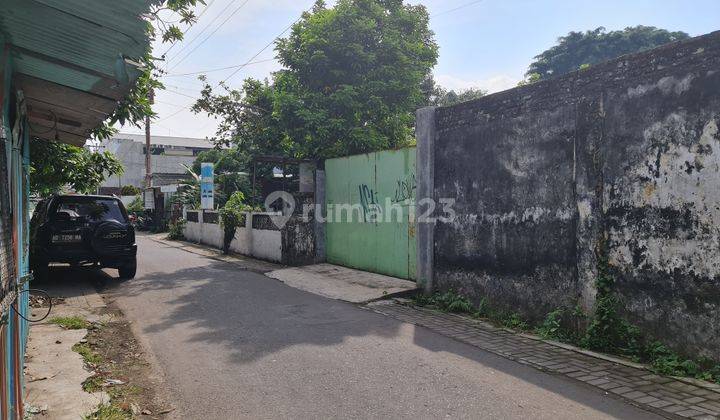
point(82, 230)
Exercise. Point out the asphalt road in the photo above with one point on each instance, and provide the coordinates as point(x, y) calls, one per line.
point(234, 344)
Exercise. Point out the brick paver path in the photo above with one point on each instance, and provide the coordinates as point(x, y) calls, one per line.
point(663, 395)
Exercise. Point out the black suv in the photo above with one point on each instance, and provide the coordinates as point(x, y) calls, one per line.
point(82, 230)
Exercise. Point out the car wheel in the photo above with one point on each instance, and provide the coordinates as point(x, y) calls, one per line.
point(128, 270)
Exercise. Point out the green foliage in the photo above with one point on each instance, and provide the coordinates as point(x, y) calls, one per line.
point(176, 230)
point(350, 84)
point(514, 321)
point(530, 79)
point(93, 384)
point(450, 301)
point(70, 322)
point(53, 166)
point(109, 411)
point(232, 216)
point(136, 206)
point(88, 355)
point(436, 95)
point(607, 332)
point(551, 327)
point(129, 190)
point(578, 50)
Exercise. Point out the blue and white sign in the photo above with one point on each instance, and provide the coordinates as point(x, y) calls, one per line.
point(207, 186)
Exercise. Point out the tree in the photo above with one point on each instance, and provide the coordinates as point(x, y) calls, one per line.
point(578, 50)
point(436, 95)
point(56, 165)
point(350, 83)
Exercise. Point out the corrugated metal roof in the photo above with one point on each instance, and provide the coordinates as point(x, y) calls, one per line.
point(90, 34)
point(77, 45)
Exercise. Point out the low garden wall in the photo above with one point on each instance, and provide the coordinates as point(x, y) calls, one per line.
point(293, 244)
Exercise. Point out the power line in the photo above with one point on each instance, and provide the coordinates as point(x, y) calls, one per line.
point(217, 69)
point(189, 27)
point(263, 49)
point(240, 67)
point(181, 94)
point(212, 33)
point(168, 103)
point(457, 8)
point(227, 6)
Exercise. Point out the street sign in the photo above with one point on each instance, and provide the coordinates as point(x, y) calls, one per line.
point(149, 199)
point(169, 188)
point(207, 186)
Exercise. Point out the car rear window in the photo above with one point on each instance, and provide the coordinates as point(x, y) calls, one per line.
point(96, 209)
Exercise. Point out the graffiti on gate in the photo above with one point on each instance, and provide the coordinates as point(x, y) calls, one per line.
point(371, 207)
point(405, 189)
point(369, 202)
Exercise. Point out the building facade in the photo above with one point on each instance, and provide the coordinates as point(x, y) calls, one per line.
point(169, 154)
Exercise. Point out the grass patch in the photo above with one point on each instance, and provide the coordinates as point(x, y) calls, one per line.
point(514, 321)
point(122, 392)
point(109, 411)
point(449, 302)
point(93, 384)
point(70, 322)
point(88, 355)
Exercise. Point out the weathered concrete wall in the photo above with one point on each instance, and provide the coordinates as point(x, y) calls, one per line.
point(292, 244)
point(621, 161)
point(263, 242)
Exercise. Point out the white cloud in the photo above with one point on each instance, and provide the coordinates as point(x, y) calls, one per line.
point(492, 84)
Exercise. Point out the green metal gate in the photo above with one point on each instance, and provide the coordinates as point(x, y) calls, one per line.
point(370, 202)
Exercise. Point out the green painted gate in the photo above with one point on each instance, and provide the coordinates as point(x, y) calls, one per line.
point(370, 202)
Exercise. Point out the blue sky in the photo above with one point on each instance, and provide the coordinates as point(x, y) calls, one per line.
point(486, 44)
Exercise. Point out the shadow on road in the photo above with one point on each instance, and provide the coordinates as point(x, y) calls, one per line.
point(208, 303)
point(248, 313)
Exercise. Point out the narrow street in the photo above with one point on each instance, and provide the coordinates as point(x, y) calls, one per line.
point(236, 344)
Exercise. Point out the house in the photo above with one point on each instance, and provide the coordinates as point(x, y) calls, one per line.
point(169, 154)
point(64, 67)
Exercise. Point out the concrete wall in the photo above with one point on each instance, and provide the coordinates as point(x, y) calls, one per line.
point(620, 162)
point(263, 243)
point(293, 244)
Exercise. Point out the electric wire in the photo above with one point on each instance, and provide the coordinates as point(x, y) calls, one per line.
point(187, 45)
point(211, 34)
point(189, 27)
point(462, 6)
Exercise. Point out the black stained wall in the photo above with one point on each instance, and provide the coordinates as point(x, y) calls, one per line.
point(621, 162)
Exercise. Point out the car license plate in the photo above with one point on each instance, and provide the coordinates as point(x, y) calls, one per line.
point(67, 238)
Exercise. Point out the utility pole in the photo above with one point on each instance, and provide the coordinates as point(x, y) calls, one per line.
point(148, 152)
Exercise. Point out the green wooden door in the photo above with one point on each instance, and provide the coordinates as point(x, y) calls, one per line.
point(370, 224)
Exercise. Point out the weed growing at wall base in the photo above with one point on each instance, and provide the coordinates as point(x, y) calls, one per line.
point(450, 301)
point(176, 229)
point(607, 331)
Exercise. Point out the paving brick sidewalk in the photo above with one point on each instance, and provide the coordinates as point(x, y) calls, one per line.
point(666, 396)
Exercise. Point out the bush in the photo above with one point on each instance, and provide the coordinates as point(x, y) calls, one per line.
point(232, 216)
point(129, 190)
point(136, 206)
point(177, 229)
